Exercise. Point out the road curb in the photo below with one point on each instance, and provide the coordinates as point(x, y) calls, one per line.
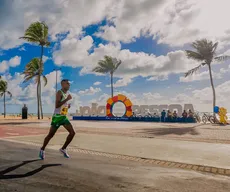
point(156, 162)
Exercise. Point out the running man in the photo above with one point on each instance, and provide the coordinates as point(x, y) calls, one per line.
point(60, 118)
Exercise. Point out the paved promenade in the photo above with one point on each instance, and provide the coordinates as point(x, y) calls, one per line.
point(20, 171)
point(166, 142)
point(199, 153)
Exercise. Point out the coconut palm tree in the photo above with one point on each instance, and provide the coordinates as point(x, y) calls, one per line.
point(37, 33)
point(108, 65)
point(205, 53)
point(34, 70)
point(3, 92)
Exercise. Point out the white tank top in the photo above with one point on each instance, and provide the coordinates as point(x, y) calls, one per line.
point(63, 110)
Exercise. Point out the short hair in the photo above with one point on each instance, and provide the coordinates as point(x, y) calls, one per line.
point(64, 80)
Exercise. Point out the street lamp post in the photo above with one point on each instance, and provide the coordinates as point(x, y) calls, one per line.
point(56, 70)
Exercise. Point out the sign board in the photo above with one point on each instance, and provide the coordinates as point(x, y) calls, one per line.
point(102, 111)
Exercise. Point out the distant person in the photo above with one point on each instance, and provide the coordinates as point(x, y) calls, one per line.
point(190, 113)
point(24, 112)
point(184, 115)
point(163, 115)
point(175, 115)
point(60, 118)
point(169, 115)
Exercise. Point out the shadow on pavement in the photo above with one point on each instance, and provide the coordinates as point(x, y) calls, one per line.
point(169, 131)
point(14, 176)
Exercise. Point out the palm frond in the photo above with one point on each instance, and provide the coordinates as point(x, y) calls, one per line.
point(29, 39)
point(206, 50)
point(45, 80)
point(222, 58)
point(214, 47)
point(28, 78)
point(100, 69)
point(37, 32)
point(117, 64)
point(192, 71)
point(9, 93)
point(108, 65)
point(194, 55)
point(1, 94)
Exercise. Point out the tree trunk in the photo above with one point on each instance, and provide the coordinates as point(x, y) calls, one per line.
point(40, 90)
point(38, 100)
point(213, 88)
point(111, 84)
point(4, 98)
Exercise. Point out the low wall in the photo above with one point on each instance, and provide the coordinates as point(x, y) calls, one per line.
point(133, 119)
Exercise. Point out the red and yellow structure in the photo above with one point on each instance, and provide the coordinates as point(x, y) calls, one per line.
point(119, 98)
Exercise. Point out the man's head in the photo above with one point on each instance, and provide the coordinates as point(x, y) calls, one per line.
point(65, 84)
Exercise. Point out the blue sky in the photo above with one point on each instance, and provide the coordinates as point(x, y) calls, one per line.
point(152, 51)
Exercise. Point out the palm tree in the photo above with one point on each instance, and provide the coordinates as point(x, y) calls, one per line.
point(37, 33)
point(34, 70)
point(3, 92)
point(205, 52)
point(108, 65)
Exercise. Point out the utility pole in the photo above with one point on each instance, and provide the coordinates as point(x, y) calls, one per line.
point(56, 70)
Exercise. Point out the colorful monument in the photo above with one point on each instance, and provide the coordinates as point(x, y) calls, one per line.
point(119, 98)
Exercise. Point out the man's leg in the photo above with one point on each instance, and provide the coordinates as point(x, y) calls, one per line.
point(48, 137)
point(70, 137)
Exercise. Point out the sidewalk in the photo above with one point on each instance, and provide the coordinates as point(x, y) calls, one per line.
point(200, 153)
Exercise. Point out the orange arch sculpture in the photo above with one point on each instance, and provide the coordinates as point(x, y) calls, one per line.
point(119, 98)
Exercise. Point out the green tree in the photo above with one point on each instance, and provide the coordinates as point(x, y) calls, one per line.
point(3, 92)
point(205, 53)
point(34, 70)
point(37, 33)
point(108, 65)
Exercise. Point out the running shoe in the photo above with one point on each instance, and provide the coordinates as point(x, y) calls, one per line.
point(64, 152)
point(42, 154)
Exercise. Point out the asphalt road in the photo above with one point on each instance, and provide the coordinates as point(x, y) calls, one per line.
point(86, 173)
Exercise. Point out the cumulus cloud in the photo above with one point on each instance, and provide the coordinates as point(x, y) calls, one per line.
point(121, 82)
point(27, 94)
point(61, 16)
point(97, 83)
point(45, 58)
point(13, 62)
point(201, 76)
point(90, 91)
point(133, 63)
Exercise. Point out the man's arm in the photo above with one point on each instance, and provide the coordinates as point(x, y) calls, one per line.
point(59, 103)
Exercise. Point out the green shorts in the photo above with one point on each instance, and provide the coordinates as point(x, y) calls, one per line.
point(58, 120)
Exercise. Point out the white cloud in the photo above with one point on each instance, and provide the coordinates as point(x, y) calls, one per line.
point(90, 91)
point(28, 94)
point(202, 98)
point(60, 15)
point(133, 63)
point(73, 51)
point(13, 62)
point(223, 70)
point(121, 82)
point(97, 83)
point(22, 48)
point(158, 78)
point(131, 19)
point(201, 76)
point(180, 19)
point(45, 58)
